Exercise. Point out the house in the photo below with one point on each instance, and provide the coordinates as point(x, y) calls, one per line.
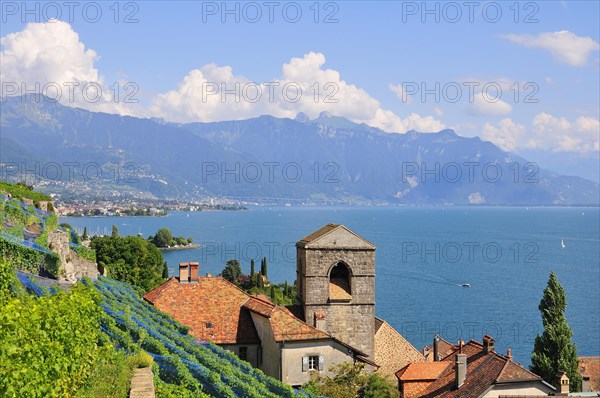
point(266, 335)
point(589, 368)
point(333, 323)
point(471, 370)
point(438, 350)
point(335, 270)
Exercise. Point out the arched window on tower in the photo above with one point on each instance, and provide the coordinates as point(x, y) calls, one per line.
point(339, 283)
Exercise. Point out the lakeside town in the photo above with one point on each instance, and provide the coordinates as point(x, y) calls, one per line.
point(303, 337)
point(299, 199)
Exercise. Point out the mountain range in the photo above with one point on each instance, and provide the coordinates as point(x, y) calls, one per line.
point(329, 159)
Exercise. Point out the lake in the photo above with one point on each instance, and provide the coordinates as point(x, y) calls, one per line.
point(424, 255)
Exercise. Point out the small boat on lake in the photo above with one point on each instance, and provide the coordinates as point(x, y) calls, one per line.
point(466, 285)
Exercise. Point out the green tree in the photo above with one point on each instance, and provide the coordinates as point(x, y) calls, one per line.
point(351, 381)
point(253, 277)
point(115, 231)
point(85, 235)
point(263, 267)
point(163, 237)
point(232, 271)
point(553, 351)
point(260, 281)
point(130, 259)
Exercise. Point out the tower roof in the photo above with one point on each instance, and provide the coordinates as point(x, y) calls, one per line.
point(335, 236)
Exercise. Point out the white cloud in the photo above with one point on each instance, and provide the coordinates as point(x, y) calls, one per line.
point(389, 121)
point(561, 135)
point(50, 57)
point(546, 132)
point(486, 107)
point(52, 52)
point(200, 97)
point(506, 135)
point(565, 47)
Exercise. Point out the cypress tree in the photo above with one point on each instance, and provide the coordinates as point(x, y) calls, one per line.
point(253, 276)
point(85, 235)
point(553, 351)
point(272, 292)
point(263, 267)
point(115, 230)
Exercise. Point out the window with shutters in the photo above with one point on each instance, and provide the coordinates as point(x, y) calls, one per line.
point(312, 362)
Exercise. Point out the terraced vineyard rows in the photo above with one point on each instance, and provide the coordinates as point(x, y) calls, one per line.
point(201, 366)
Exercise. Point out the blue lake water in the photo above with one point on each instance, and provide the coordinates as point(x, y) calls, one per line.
point(423, 256)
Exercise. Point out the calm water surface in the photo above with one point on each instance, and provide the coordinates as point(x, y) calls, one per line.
point(423, 256)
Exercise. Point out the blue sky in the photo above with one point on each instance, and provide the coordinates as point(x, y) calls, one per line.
point(373, 51)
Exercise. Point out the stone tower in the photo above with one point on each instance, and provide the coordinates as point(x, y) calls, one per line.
point(335, 270)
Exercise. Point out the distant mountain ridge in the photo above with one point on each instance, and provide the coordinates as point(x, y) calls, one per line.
point(326, 160)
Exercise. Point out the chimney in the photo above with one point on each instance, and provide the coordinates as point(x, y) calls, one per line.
point(509, 354)
point(436, 347)
point(488, 344)
point(562, 383)
point(194, 272)
point(320, 317)
point(183, 273)
point(460, 346)
point(460, 369)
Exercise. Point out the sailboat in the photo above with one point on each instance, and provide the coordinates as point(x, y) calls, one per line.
point(562, 243)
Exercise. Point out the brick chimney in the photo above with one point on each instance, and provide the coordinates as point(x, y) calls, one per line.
point(194, 272)
point(460, 369)
point(562, 383)
point(488, 344)
point(509, 354)
point(183, 273)
point(436, 347)
point(320, 319)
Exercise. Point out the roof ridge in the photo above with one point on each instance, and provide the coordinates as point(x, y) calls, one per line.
point(489, 359)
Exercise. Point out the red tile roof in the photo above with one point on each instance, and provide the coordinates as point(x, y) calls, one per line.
point(590, 367)
point(483, 371)
point(211, 308)
point(513, 372)
point(215, 309)
point(422, 371)
point(285, 326)
point(444, 348)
